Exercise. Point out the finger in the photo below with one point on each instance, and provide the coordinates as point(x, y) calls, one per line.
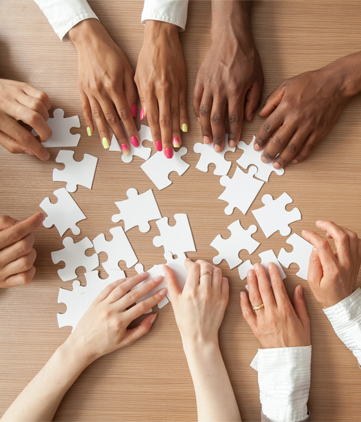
point(278, 142)
point(193, 273)
point(217, 280)
point(235, 117)
point(11, 144)
point(172, 283)
point(206, 273)
point(272, 102)
point(39, 95)
point(253, 99)
point(153, 119)
point(6, 222)
point(269, 127)
point(291, 149)
point(87, 113)
point(19, 279)
point(130, 93)
point(299, 305)
point(21, 265)
point(17, 250)
point(123, 288)
point(183, 113)
point(354, 242)
point(33, 104)
point(308, 147)
point(141, 308)
point(197, 97)
point(19, 231)
point(278, 286)
point(224, 287)
point(205, 116)
point(176, 137)
point(136, 333)
point(126, 117)
point(254, 294)
point(217, 123)
point(100, 121)
point(36, 121)
point(324, 250)
point(106, 292)
point(165, 122)
point(247, 313)
point(315, 271)
point(264, 287)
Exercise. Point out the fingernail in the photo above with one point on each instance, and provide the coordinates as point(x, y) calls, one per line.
point(153, 318)
point(133, 109)
point(257, 147)
point(251, 116)
point(143, 274)
point(47, 156)
point(294, 161)
point(42, 216)
point(217, 148)
point(169, 152)
point(159, 146)
point(184, 128)
point(134, 141)
point(232, 143)
point(176, 142)
point(125, 149)
point(89, 131)
point(142, 114)
point(264, 159)
point(162, 292)
point(276, 165)
point(206, 140)
point(105, 143)
point(158, 278)
point(256, 266)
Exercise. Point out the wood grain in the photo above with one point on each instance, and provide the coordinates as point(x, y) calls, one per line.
point(150, 380)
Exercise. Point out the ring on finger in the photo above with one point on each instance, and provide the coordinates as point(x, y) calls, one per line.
point(257, 308)
point(205, 273)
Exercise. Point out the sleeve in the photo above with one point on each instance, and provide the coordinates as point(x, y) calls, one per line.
point(284, 378)
point(171, 11)
point(345, 318)
point(64, 14)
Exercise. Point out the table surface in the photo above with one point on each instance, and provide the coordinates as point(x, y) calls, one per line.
point(150, 380)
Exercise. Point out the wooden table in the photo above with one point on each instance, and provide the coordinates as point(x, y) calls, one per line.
point(150, 380)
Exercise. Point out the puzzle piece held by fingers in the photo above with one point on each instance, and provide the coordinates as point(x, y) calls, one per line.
point(153, 272)
point(140, 151)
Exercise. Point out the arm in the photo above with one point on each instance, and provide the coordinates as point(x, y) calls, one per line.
point(333, 280)
point(102, 330)
point(230, 80)
point(199, 311)
point(171, 11)
point(303, 109)
point(284, 362)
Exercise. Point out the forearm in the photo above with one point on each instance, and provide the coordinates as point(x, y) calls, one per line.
point(214, 394)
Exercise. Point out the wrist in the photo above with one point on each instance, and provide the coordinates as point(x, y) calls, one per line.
point(200, 347)
point(84, 31)
point(155, 30)
point(75, 347)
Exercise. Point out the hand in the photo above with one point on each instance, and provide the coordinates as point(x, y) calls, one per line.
point(278, 323)
point(17, 254)
point(333, 276)
point(104, 327)
point(107, 90)
point(161, 80)
point(300, 113)
point(22, 102)
point(199, 308)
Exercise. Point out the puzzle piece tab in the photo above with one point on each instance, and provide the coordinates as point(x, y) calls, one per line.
point(137, 210)
point(266, 258)
point(300, 255)
point(274, 216)
point(229, 248)
point(117, 249)
point(241, 190)
point(251, 156)
point(158, 167)
point(75, 172)
point(64, 215)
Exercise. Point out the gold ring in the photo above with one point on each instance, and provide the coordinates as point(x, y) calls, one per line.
point(204, 273)
point(257, 308)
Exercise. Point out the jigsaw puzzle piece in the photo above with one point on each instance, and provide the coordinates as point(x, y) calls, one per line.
point(229, 248)
point(177, 265)
point(273, 216)
point(252, 157)
point(153, 272)
point(300, 255)
point(241, 190)
point(117, 249)
point(158, 167)
point(176, 239)
point(64, 215)
point(75, 172)
point(73, 255)
point(137, 210)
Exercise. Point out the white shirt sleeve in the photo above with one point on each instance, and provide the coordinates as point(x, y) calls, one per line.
point(171, 11)
point(345, 318)
point(284, 379)
point(64, 14)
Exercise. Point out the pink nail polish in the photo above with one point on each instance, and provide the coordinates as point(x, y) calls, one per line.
point(134, 141)
point(125, 149)
point(169, 152)
point(134, 110)
point(142, 114)
point(176, 142)
point(159, 146)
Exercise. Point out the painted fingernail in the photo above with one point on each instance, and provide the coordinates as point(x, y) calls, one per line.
point(133, 109)
point(294, 161)
point(134, 141)
point(162, 292)
point(154, 317)
point(184, 127)
point(89, 131)
point(142, 114)
point(176, 142)
point(169, 152)
point(105, 143)
point(217, 148)
point(232, 143)
point(264, 159)
point(125, 149)
point(158, 278)
point(159, 146)
point(276, 165)
point(206, 140)
point(257, 147)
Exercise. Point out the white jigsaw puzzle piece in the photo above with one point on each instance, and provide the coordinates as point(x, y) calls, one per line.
point(75, 172)
point(177, 265)
point(229, 248)
point(300, 255)
point(251, 156)
point(73, 255)
point(60, 126)
point(209, 155)
point(140, 151)
point(153, 272)
point(273, 216)
point(158, 167)
point(137, 210)
point(241, 190)
point(64, 215)
point(176, 239)
point(117, 249)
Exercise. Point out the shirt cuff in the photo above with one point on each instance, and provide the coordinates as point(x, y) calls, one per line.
point(284, 378)
point(345, 318)
point(171, 11)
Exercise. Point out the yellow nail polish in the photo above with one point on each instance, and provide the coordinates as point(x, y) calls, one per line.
point(184, 128)
point(105, 143)
point(89, 132)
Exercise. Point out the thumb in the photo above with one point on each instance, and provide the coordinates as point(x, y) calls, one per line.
point(315, 270)
point(299, 304)
point(172, 283)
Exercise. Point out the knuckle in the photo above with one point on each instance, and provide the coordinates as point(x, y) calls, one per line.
point(216, 119)
point(24, 247)
point(204, 111)
point(246, 313)
point(33, 118)
point(25, 137)
point(234, 119)
point(253, 297)
point(323, 244)
point(14, 149)
point(277, 141)
point(25, 278)
point(292, 147)
point(96, 112)
point(175, 111)
point(110, 118)
point(164, 121)
point(124, 114)
point(153, 118)
point(267, 127)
